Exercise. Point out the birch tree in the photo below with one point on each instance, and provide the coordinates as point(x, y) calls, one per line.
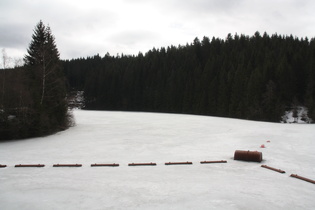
point(4, 64)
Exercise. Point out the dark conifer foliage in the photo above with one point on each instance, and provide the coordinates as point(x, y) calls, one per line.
point(255, 77)
point(38, 103)
point(47, 82)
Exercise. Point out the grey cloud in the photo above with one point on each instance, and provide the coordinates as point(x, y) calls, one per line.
point(132, 37)
point(14, 36)
point(198, 8)
point(85, 27)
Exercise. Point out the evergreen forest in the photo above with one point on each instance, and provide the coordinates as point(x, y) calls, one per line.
point(248, 77)
point(255, 77)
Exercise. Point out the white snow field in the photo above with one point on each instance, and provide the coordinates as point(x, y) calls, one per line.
point(132, 137)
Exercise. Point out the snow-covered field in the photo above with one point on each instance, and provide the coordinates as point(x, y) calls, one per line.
point(127, 137)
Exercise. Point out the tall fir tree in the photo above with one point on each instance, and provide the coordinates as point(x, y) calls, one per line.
point(47, 82)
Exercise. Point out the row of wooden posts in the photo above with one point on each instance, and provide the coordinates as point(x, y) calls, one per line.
point(114, 164)
point(154, 164)
point(292, 175)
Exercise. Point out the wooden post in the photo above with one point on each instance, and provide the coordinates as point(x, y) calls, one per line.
point(179, 163)
point(274, 169)
point(104, 164)
point(67, 165)
point(142, 164)
point(214, 161)
point(29, 165)
point(303, 178)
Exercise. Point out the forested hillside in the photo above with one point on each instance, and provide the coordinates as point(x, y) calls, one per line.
point(255, 78)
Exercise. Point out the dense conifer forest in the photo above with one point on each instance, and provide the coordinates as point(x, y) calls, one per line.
point(255, 78)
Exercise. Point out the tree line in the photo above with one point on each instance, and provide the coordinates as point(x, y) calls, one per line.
point(249, 77)
point(33, 97)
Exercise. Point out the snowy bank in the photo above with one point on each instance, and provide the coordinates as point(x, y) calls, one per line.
point(127, 137)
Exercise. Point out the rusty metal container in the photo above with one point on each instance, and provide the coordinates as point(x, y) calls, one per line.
point(253, 156)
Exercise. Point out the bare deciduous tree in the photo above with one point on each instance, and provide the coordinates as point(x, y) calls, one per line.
point(4, 64)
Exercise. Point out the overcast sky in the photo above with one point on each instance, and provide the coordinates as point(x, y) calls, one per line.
point(87, 27)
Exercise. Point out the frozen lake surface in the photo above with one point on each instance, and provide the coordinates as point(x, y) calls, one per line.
point(132, 137)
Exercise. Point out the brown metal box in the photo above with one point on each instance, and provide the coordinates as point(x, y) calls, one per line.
point(254, 156)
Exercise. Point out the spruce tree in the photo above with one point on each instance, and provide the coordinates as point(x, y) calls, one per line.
point(47, 82)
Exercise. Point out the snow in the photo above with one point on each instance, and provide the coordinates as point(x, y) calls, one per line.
point(132, 137)
point(76, 100)
point(301, 115)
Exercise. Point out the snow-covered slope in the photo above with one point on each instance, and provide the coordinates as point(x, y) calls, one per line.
point(125, 137)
